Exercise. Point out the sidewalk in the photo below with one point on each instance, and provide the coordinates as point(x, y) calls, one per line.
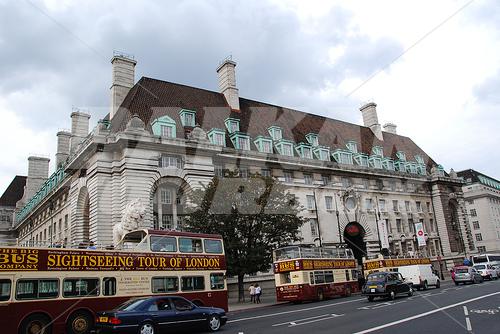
point(268, 300)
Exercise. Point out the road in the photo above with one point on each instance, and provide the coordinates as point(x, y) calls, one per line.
point(473, 308)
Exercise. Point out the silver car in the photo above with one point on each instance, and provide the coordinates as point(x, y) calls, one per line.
point(487, 271)
point(465, 275)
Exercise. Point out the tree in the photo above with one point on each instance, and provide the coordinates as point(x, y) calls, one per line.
point(254, 216)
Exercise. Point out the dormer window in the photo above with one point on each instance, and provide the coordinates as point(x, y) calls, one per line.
point(388, 164)
point(352, 146)
point(378, 151)
point(217, 137)
point(312, 139)
point(343, 157)
point(304, 150)
point(401, 155)
point(419, 159)
point(187, 117)
point(164, 126)
point(285, 147)
point(241, 141)
point(264, 144)
point(275, 132)
point(232, 124)
point(361, 159)
point(322, 153)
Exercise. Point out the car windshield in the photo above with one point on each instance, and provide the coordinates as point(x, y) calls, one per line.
point(376, 277)
point(130, 305)
point(479, 267)
point(461, 270)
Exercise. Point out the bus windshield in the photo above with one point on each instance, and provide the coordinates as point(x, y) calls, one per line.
point(480, 259)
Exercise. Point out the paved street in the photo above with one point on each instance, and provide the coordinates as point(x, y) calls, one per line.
point(451, 309)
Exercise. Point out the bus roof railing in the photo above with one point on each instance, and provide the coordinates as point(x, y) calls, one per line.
point(304, 252)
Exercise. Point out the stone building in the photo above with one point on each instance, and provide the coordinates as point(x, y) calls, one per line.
point(162, 139)
point(8, 201)
point(482, 201)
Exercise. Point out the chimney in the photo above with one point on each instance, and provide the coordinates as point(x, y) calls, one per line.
point(38, 173)
point(79, 128)
point(63, 141)
point(390, 127)
point(123, 68)
point(370, 119)
point(227, 83)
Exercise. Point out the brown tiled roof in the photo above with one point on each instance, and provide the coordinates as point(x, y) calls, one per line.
point(14, 191)
point(151, 98)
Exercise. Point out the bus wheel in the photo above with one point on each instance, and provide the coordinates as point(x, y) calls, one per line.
point(36, 324)
point(320, 295)
point(80, 323)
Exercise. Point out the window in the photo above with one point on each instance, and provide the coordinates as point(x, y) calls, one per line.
point(266, 146)
point(217, 137)
point(308, 179)
point(164, 284)
point(479, 237)
point(322, 154)
point(368, 204)
point(265, 172)
point(275, 132)
point(166, 196)
point(329, 202)
point(171, 161)
point(192, 283)
point(419, 206)
point(310, 202)
point(190, 245)
point(401, 156)
point(343, 157)
point(109, 286)
point(398, 225)
point(80, 287)
point(381, 203)
point(361, 160)
point(407, 206)
point(217, 281)
point(213, 246)
point(5, 286)
point(325, 180)
point(429, 207)
point(306, 153)
point(313, 223)
point(243, 143)
point(232, 125)
point(182, 304)
point(352, 146)
point(481, 249)
point(167, 131)
point(167, 222)
point(288, 177)
point(395, 205)
point(378, 151)
point(431, 223)
point(475, 224)
point(286, 149)
point(243, 172)
point(187, 117)
point(163, 244)
point(473, 213)
point(312, 139)
point(37, 288)
point(219, 171)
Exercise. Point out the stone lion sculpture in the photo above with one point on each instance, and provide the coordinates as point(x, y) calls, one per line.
point(132, 219)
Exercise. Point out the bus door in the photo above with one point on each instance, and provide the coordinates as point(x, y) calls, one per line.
point(6, 295)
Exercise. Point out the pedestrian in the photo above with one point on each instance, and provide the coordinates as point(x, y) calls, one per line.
point(251, 289)
point(258, 292)
point(91, 245)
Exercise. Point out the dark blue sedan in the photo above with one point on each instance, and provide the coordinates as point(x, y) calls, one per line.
point(150, 315)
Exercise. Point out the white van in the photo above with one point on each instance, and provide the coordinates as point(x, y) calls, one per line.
point(421, 276)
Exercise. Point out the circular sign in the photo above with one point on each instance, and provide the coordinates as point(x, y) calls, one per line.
point(420, 233)
point(352, 230)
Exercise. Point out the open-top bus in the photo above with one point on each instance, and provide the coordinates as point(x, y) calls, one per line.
point(381, 263)
point(314, 273)
point(58, 290)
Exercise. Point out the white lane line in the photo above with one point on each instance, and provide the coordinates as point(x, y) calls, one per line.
point(295, 311)
point(425, 314)
point(289, 322)
point(316, 320)
point(465, 311)
point(467, 320)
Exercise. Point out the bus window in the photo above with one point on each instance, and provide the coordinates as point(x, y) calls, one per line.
point(5, 285)
point(109, 286)
point(311, 278)
point(192, 283)
point(164, 284)
point(163, 244)
point(217, 281)
point(347, 275)
point(328, 276)
point(319, 277)
point(213, 246)
point(190, 245)
point(37, 289)
point(80, 287)
point(285, 278)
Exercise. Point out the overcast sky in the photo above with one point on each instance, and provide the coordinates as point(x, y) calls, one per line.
point(432, 67)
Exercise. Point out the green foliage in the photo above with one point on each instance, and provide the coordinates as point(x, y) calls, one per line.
point(254, 216)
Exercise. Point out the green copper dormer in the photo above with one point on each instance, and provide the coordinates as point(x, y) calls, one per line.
point(352, 146)
point(322, 153)
point(378, 151)
point(240, 140)
point(187, 117)
point(264, 144)
point(232, 124)
point(304, 150)
point(388, 164)
point(164, 126)
point(217, 136)
point(411, 167)
point(375, 161)
point(275, 132)
point(401, 155)
point(312, 138)
point(285, 147)
point(361, 159)
point(440, 170)
point(342, 156)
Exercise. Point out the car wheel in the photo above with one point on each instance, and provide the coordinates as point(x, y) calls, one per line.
point(147, 328)
point(438, 284)
point(38, 324)
point(425, 285)
point(320, 295)
point(214, 323)
point(392, 295)
point(371, 298)
point(79, 323)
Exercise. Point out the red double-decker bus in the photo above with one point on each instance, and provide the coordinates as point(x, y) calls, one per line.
point(314, 273)
point(58, 290)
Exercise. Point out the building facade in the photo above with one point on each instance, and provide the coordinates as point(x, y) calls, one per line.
point(8, 201)
point(161, 140)
point(482, 201)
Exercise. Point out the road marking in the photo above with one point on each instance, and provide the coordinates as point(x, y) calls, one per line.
point(465, 311)
point(316, 320)
point(425, 314)
point(294, 321)
point(469, 327)
point(380, 305)
point(295, 311)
